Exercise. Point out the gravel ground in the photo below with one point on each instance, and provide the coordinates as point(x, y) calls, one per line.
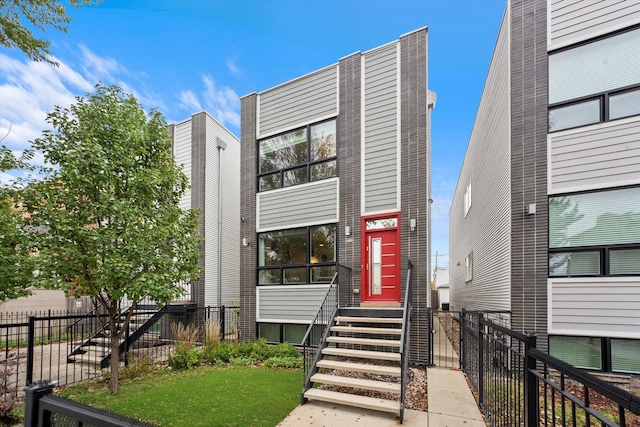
point(416, 397)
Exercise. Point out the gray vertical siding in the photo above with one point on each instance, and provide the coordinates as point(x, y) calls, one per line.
point(248, 254)
point(182, 154)
point(296, 206)
point(486, 230)
point(416, 146)
point(299, 101)
point(296, 304)
point(595, 306)
point(381, 128)
point(573, 21)
point(528, 57)
point(349, 161)
point(595, 157)
point(230, 187)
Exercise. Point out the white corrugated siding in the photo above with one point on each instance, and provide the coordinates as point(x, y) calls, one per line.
point(594, 157)
point(573, 21)
point(380, 129)
point(297, 206)
point(299, 102)
point(293, 303)
point(602, 306)
point(230, 215)
point(182, 154)
point(486, 229)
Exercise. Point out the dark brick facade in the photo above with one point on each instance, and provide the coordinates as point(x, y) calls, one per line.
point(198, 168)
point(529, 240)
point(415, 179)
point(349, 168)
point(248, 254)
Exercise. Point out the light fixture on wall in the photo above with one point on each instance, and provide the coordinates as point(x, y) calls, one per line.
point(412, 224)
point(245, 241)
point(531, 209)
point(347, 230)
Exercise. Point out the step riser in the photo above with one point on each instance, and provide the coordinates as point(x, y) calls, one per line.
point(364, 341)
point(354, 401)
point(359, 367)
point(366, 330)
point(361, 354)
point(356, 383)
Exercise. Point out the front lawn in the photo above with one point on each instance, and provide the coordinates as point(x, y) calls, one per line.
point(206, 396)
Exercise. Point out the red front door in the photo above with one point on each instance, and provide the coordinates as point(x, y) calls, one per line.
point(381, 260)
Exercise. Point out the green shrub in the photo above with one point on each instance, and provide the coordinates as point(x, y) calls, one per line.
point(186, 359)
point(286, 350)
point(221, 353)
point(284, 362)
point(242, 361)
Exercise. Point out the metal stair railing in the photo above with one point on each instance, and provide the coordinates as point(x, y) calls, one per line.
point(313, 342)
point(404, 340)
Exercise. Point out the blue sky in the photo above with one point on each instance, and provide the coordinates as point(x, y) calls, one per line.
point(188, 55)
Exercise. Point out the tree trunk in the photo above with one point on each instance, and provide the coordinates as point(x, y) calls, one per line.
point(114, 363)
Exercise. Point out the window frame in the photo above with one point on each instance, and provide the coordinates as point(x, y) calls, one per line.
point(604, 250)
point(604, 112)
point(467, 199)
point(308, 264)
point(309, 164)
point(468, 267)
point(606, 351)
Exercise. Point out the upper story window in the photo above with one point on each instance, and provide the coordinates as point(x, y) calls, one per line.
point(303, 155)
point(467, 200)
point(595, 234)
point(468, 268)
point(595, 82)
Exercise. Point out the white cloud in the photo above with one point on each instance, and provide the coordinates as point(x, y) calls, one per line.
point(233, 67)
point(223, 103)
point(189, 101)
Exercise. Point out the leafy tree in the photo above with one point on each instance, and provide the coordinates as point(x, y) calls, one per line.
point(16, 15)
point(108, 217)
point(15, 271)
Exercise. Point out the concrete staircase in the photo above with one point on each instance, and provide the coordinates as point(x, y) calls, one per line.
point(361, 355)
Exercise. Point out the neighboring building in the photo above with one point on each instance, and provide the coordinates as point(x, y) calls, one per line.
point(441, 283)
point(545, 221)
point(210, 156)
point(336, 171)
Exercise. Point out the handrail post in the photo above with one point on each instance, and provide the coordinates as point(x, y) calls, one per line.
point(30, 350)
point(531, 400)
point(463, 352)
point(222, 322)
point(480, 361)
point(32, 395)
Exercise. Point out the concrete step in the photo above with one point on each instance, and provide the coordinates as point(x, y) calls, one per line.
point(346, 399)
point(352, 319)
point(359, 367)
point(361, 354)
point(366, 330)
point(359, 383)
point(364, 341)
point(89, 357)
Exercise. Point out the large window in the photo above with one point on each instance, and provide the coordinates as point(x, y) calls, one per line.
point(299, 255)
point(595, 82)
point(299, 156)
point(597, 353)
point(595, 234)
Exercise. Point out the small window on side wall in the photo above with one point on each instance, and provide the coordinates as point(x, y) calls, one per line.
point(468, 266)
point(467, 200)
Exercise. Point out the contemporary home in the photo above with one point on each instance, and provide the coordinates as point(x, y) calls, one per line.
point(210, 157)
point(545, 220)
point(336, 172)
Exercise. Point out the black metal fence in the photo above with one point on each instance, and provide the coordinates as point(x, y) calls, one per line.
point(42, 348)
point(45, 410)
point(518, 385)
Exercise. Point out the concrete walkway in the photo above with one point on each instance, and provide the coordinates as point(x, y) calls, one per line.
point(451, 404)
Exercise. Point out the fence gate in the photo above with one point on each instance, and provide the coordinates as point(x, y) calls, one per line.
point(445, 339)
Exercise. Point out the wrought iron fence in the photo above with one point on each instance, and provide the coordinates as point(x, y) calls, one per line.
point(41, 349)
point(518, 385)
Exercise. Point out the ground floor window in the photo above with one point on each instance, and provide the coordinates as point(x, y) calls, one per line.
point(298, 255)
point(597, 353)
point(282, 332)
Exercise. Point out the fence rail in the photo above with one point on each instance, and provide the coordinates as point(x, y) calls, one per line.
point(516, 384)
point(39, 349)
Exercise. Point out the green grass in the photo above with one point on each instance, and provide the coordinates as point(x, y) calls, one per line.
point(206, 396)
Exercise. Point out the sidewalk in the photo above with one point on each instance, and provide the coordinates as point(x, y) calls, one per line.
point(451, 404)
